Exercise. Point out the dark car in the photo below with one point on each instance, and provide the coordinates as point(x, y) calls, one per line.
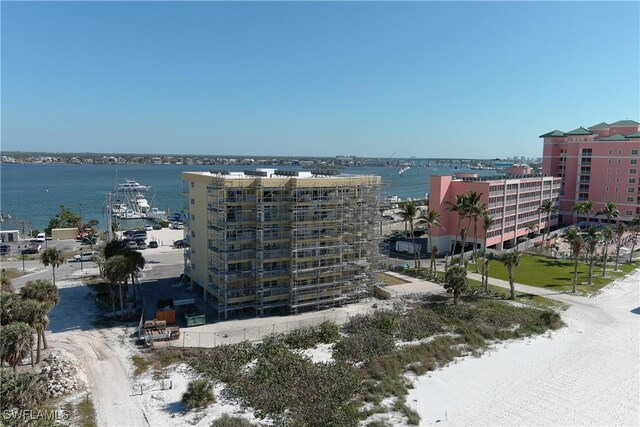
point(5, 249)
point(29, 251)
point(157, 227)
point(179, 244)
point(152, 244)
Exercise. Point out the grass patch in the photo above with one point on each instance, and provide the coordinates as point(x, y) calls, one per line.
point(86, 413)
point(390, 280)
point(13, 273)
point(557, 274)
point(140, 364)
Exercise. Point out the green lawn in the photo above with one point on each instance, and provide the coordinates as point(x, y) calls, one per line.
point(557, 274)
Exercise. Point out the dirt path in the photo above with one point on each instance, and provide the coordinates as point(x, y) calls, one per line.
point(99, 355)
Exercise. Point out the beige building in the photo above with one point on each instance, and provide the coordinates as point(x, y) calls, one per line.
point(270, 241)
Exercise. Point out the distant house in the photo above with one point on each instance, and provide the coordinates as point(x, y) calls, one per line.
point(10, 235)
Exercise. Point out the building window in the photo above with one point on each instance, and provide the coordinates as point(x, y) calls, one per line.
point(609, 161)
point(193, 184)
point(620, 152)
point(606, 188)
point(634, 152)
point(615, 198)
point(193, 201)
point(632, 171)
point(619, 161)
point(628, 213)
point(617, 180)
point(193, 234)
point(607, 179)
point(629, 199)
point(606, 198)
point(633, 161)
point(610, 152)
point(632, 180)
point(631, 190)
point(608, 170)
point(193, 217)
point(618, 170)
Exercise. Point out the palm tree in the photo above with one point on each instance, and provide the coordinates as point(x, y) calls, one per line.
point(584, 208)
point(34, 313)
point(607, 235)
point(456, 281)
point(459, 207)
point(548, 208)
point(511, 260)
point(430, 219)
point(45, 292)
point(634, 225)
point(117, 271)
point(473, 209)
point(487, 260)
point(620, 230)
point(408, 214)
point(570, 235)
point(432, 266)
point(52, 257)
point(135, 263)
point(592, 238)
point(476, 212)
point(610, 211)
point(532, 227)
point(577, 245)
point(16, 341)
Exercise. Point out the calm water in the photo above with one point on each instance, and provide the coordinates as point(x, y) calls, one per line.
point(34, 192)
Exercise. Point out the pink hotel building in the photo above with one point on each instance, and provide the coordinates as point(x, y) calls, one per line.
point(599, 163)
point(513, 202)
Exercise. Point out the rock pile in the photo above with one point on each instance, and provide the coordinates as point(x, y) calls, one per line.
point(60, 376)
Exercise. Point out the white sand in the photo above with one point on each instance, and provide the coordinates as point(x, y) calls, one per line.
point(585, 374)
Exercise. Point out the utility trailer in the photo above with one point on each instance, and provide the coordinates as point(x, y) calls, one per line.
point(192, 314)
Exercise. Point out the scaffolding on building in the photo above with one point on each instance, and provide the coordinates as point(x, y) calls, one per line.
point(289, 243)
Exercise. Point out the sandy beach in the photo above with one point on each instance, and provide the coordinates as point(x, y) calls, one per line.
point(587, 373)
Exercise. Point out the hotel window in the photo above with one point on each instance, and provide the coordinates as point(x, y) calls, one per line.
point(615, 198)
point(608, 179)
point(633, 161)
point(632, 171)
point(632, 180)
point(609, 161)
point(608, 170)
point(610, 152)
point(634, 152)
point(620, 152)
point(606, 188)
point(631, 190)
point(618, 170)
point(617, 180)
point(619, 161)
point(616, 189)
point(629, 199)
point(193, 184)
point(193, 201)
point(628, 213)
point(606, 198)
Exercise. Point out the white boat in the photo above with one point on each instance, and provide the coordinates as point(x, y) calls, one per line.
point(403, 170)
point(131, 185)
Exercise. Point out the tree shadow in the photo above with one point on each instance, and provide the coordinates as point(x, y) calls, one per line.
point(636, 310)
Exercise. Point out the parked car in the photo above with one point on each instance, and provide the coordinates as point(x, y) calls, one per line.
point(157, 227)
point(89, 240)
point(31, 250)
point(83, 256)
point(179, 244)
point(5, 249)
point(148, 228)
point(153, 244)
point(142, 245)
point(128, 233)
point(132, 245)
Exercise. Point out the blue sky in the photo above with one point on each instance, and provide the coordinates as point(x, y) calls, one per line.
point(423, 79)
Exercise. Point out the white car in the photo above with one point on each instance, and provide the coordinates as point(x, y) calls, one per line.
point(86, 256)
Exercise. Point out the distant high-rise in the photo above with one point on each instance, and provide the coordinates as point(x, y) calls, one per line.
point(599, 163)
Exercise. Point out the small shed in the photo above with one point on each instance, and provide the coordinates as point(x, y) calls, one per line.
point(10, 236)
point(64, 233)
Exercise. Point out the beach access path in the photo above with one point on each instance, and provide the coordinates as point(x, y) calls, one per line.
point(586, 373)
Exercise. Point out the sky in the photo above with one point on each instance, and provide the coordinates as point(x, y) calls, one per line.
point(368, 79)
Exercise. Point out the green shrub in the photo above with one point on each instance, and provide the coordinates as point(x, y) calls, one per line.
point(140, 364)
point(199, 394)
point(25, 390)
point(227, 420)
point(329, 332)
point(363, 346)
